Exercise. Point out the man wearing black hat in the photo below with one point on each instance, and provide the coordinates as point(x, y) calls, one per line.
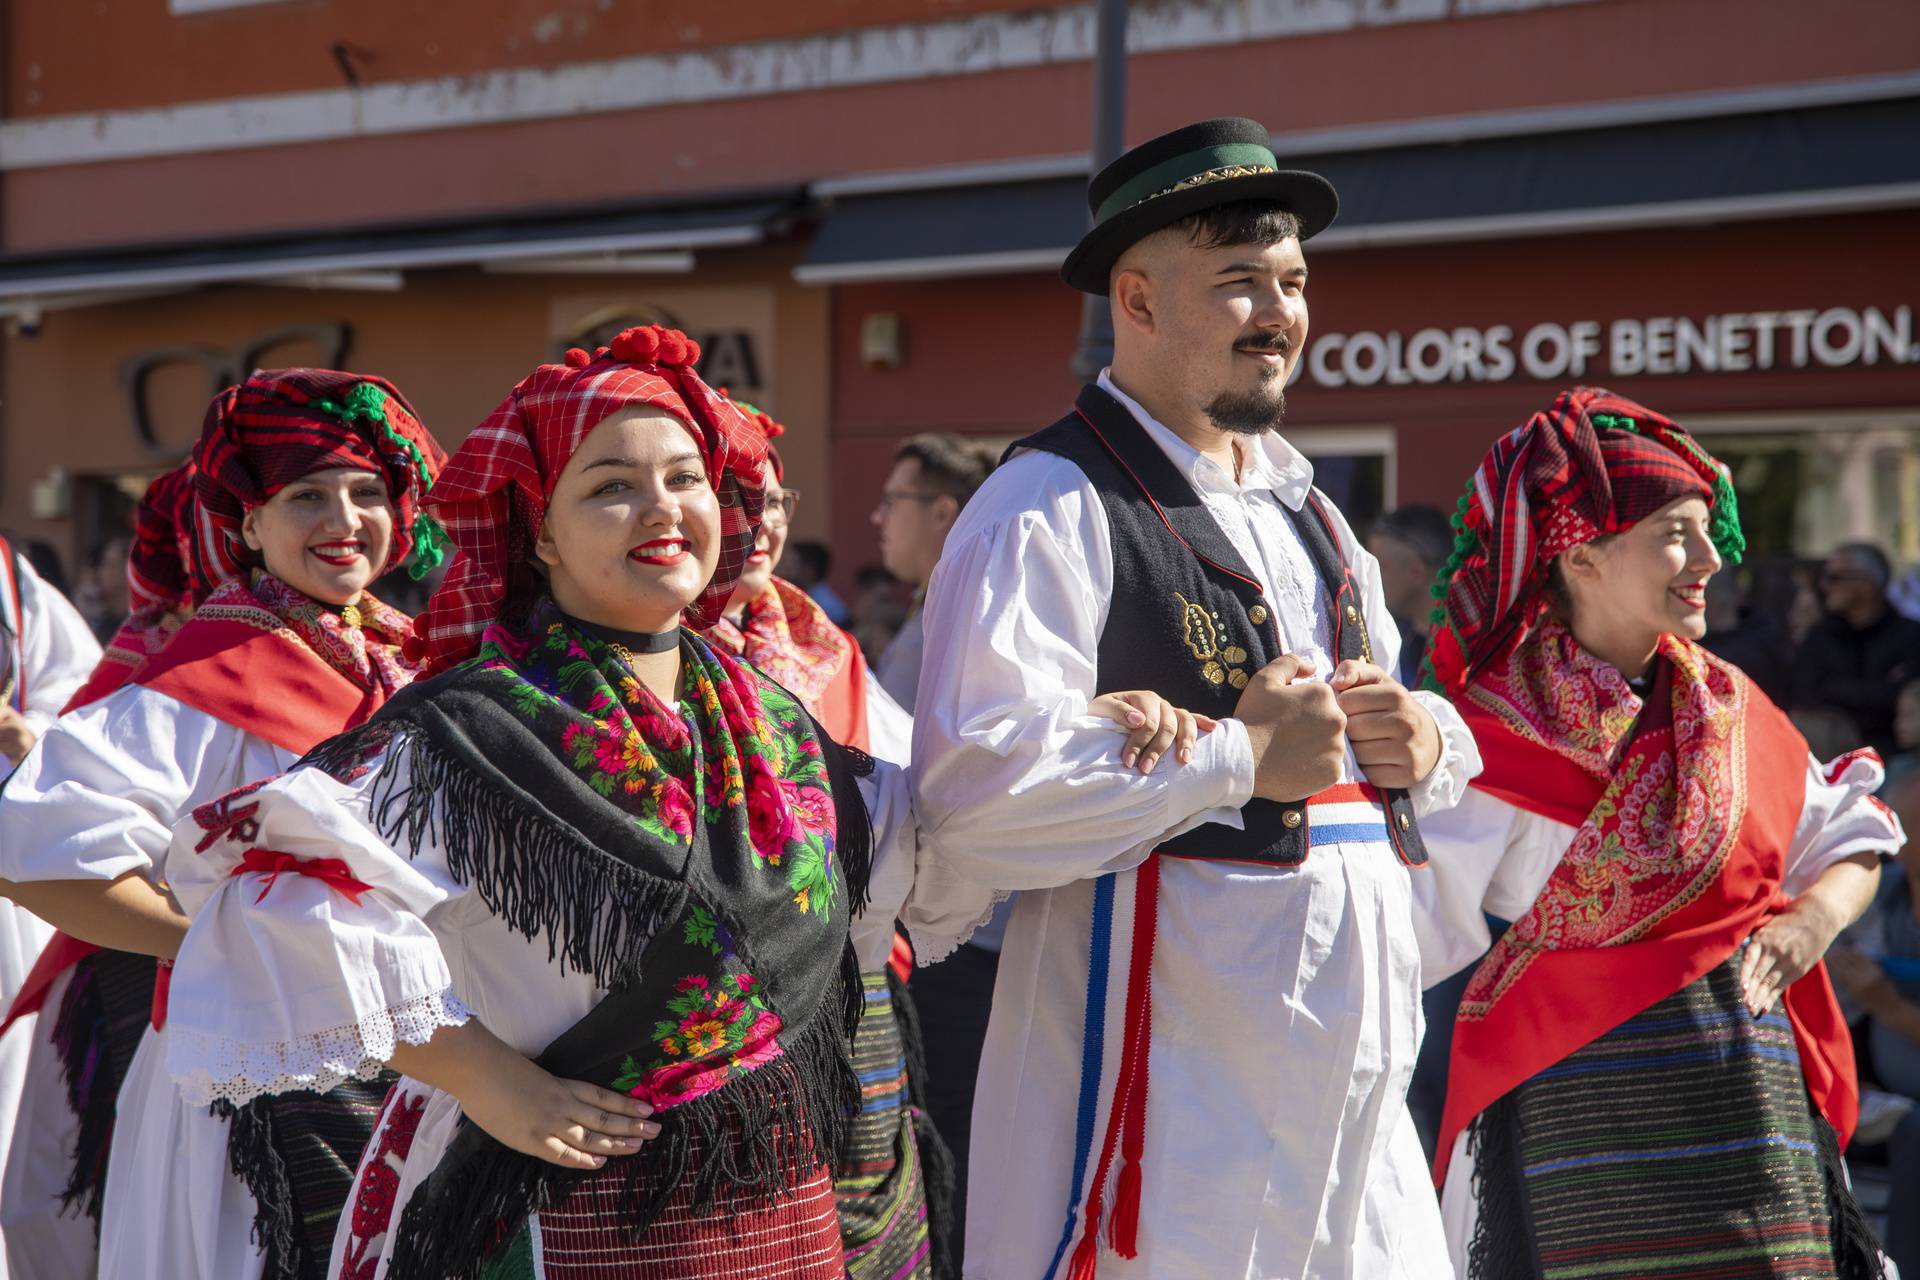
point(1208, 1000)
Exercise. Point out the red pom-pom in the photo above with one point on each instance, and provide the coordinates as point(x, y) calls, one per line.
point(772, 429)
point(577, 358)
point(413, 649)
point(637, 345)
point(673, 347)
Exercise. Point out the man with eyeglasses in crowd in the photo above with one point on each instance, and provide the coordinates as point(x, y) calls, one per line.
point(933, 476)
point(1860, 654)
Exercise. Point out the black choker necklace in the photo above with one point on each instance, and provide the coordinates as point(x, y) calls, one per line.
point(628, 643)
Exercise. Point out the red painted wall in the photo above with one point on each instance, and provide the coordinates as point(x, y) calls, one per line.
point(989, 356)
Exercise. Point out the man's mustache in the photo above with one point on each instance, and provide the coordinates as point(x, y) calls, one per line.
point(1276, 342)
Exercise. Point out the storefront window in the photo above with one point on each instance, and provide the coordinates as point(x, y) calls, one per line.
point(1352, 467)
point(1809, 483)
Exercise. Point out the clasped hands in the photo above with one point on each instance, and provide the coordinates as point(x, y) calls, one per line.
point(1299, 728)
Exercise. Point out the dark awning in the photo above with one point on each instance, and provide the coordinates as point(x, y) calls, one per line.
point(571, 234)
point(1806, 160)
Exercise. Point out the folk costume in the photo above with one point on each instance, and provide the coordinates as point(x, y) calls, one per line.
point(46, 650)
point(787, 635)
point(1208, 1005)
point(892, 1177)
point(1612, 1105)
point(653, 898)
point(258, 676)
point(95, 998)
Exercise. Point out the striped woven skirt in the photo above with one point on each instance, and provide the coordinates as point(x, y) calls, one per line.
point(1681, 1143)
point(877, 1180)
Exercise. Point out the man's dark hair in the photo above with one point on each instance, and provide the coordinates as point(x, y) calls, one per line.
point(1871, 560)
point(1261, 222)
point(949, 464)
point(1421, 527)
point(815, 556)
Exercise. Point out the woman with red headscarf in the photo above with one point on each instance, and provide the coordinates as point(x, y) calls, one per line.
point(306, 486)
point(782, 631)
point(590, 888)
point(1650, 1076)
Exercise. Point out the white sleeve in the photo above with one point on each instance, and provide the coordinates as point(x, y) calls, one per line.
point(285, 981)
point(939, 907)
point(1446, 783)
point(1839, 818)
point(1485, 857)
point(889, 726)
point(1014, 782)
point(99, 793)
point(58, 647)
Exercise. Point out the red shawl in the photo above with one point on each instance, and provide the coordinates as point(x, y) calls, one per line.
point(1678, 857)
point(790, 638)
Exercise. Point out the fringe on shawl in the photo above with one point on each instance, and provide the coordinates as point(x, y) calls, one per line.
point(762, 1133)
point(100, 1021)
point(938, 1177)
point(1502, 1246)
point(1856, 1251)
point(596, 913)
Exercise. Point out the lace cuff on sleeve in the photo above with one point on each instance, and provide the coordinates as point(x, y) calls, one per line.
point(212, 1067)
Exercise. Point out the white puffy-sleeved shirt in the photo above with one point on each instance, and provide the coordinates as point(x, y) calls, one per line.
point(96, 799)
point(301, 987)
point(1285, 1001)
point(1493, 858)
point(53, 653)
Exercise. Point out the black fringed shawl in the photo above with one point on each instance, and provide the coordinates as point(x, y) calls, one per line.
point(721, 933)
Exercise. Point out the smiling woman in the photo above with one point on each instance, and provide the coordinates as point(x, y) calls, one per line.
point(1649, 1072)
point(304, 487)
point(653, 1087)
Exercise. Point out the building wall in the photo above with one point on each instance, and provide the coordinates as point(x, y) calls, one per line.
point(98, 156)
point(989, 356)
point(453, 342)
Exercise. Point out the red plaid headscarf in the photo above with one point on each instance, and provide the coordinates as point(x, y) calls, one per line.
point(493, 495)
point(282, 424)
point(158, 576)
point(1593, 464)
point(768, 427)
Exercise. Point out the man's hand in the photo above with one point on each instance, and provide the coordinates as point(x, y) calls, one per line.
point(1296, 729)
point(16, 736)
point(1395, 739)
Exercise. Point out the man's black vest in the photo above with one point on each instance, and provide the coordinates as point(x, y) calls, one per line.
point(1188, 619)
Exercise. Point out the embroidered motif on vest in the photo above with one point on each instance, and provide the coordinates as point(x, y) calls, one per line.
point(1189, 620)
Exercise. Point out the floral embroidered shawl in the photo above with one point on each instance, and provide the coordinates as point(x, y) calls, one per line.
point(701, 861)
point(784, 633)
point(1683, 806)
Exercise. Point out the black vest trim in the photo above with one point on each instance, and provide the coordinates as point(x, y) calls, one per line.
point(1189, 620)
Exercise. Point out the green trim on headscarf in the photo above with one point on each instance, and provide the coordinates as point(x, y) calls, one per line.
point(368, 403)
point(1723, 525)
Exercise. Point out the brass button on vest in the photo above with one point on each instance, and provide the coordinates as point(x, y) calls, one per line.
point(1405, 822)
point(1291, 819)
point(1257, 614)
point(1353, 614)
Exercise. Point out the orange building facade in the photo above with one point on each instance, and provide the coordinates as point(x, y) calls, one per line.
point(859, 208)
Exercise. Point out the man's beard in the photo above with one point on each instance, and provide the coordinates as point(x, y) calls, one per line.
point(1252, 413)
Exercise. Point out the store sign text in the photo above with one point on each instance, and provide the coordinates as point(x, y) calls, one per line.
point(1661, 345)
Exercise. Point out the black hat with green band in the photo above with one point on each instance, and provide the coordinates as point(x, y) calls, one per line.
point(1160, 182)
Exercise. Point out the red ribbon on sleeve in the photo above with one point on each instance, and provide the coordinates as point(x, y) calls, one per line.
point(271, 862)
